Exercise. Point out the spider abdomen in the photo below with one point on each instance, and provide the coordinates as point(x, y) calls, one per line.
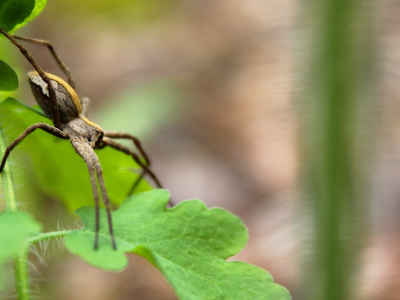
point(68, 102)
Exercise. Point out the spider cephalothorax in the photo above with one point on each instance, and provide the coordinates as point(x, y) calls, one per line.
point(61, 104)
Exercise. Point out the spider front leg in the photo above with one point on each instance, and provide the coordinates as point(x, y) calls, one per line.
point(93, 164)
point(55, 114)
point(46, 127)
point(63, 67)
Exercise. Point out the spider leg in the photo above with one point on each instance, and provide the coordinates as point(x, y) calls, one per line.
point(137, 143)
point(93, 164)
point(106, 199)
point(136, 158)
point(127, 136)
point(85, 106)
point(46, 127)
point(54, 108)
point(63, 67)
point(83, 153)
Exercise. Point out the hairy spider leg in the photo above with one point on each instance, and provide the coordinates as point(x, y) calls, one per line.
point(55, 114)
point(127, 136)
point(71, 80)
point(106, 199)
point(45, 127)
point(93, 164)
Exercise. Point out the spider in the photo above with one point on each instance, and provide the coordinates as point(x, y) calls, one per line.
point(61, 104)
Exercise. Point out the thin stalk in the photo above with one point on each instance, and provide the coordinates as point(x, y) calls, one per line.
point(48, 235)
point(8, 182)
point(22, 274)
point(21, 259)
point(338, 98)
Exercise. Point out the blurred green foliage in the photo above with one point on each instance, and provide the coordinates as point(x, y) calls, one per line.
point(115, 13)
point(14, 12)
point(141, 110)
point(8, 77)
point(16, 228)
point(37, 9)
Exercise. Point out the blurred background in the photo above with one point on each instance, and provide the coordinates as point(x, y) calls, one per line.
point(211, 88)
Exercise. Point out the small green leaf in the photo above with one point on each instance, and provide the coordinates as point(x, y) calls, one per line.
point(57, 167)
point(8, 77)
point(15, 229)
point(188, 243)
point(13, 12)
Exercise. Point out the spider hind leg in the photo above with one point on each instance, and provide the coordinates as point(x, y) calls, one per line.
point(94, 167)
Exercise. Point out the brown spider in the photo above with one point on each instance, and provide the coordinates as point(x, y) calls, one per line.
point(61, 104)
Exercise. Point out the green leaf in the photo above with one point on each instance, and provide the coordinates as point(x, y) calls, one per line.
point(15, 229)
point(188, 243)
point(8, 77)
point(39, 6)
point(13, 12)
point(81, 243)
point(58, 170)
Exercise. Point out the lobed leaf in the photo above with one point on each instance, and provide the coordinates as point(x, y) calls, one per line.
point(188, 243)
point(8, 77)
point(57, 168)
point(15, 229)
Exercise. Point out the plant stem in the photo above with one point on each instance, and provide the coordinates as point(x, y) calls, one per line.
point(338, 101)
point(8, 182)
point(21, 263)
point(22, 274)
point(48, 235)
point(21, 259)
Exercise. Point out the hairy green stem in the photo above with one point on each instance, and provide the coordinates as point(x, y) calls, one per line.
point(48, 235)
point(21, 259)
point(21, 263)
point(22, 274)
point(8, 182)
